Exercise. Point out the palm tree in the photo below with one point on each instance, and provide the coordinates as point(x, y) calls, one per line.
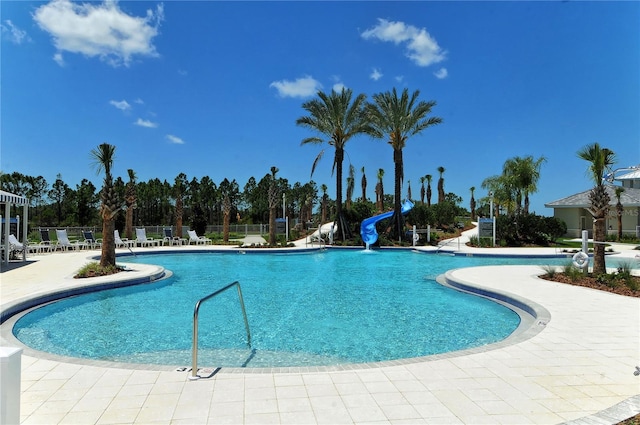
point(323, 188)
point(521, 176)
point(339, 118)
point(400, 118)
point(472, 204)
point(422, 192)
point(179, 189)
point(428, 177)
point(103, 157)
point(600, 159)
point(619, 210)
point(351, 183)
point(363, 183)
point(226, 217)
point(441, 185)
point(130, 197)
point(274, 198)
point(380, 190)
point(409, 189)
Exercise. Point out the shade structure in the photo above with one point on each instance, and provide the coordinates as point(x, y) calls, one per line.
point(9, 199)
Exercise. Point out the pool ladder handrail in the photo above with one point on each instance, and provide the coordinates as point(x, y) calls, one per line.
point(194, 351)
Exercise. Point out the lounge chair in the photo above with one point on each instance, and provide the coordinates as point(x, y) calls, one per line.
point(65, 243)
point(122, 243)
point(15, 246)
point(193, 237)
point(173, 240)
point(90, 240)
point(46, 244)
point(141, 238)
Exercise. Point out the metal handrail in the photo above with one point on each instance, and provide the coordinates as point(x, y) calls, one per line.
point(194, 352)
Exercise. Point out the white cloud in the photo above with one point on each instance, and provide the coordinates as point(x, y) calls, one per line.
point(302, 87)
point(145, 123)
point(441, 73)
point(399, 78)
point(421, 47)
point(175, 139)
point(337, 87)
point(101, 30)
point(57, 57)
point(123, 105)
point(139, 101)
point(375, 74)
point(13, 33)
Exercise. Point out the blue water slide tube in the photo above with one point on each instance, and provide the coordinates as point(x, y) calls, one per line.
point(368, 226)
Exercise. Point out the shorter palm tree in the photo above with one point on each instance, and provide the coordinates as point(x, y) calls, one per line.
point(274, 197)
point(428, 177)
point(619, 210)
point(600, 160)
point(104, 156)
point(472, 204)
point(441, 185)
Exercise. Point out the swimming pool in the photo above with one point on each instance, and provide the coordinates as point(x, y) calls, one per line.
point(318, 309)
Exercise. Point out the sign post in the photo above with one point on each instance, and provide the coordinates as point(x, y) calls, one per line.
point(487, 229)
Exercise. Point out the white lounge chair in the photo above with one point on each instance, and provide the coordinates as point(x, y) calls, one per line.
point(15, 246)
point(193, 237)
point(122, 243)
point(46, 244)
point(141, 238)
point(65, 243)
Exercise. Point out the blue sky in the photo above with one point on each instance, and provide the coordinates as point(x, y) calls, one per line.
point(214, 88)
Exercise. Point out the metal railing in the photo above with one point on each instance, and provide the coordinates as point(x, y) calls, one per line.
point(194, 352)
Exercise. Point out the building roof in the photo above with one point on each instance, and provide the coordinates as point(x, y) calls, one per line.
point(632, 175)
point(628, 198)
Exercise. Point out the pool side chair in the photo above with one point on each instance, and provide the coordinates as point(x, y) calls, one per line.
point(90, 240)
point(15, 246)
point(197, 240)
point(141, 238)
point(65, 243)
point(46, 244)
point(122, 243)
point(172, 240)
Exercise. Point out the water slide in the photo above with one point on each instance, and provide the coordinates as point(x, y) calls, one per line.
point(368, 226)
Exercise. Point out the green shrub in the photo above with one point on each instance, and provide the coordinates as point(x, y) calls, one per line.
point(94, 269)
point(550, 271)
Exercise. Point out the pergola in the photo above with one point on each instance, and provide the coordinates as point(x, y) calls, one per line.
point(9, 199)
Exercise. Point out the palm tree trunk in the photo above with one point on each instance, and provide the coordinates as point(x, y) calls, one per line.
point(398, 221)
point(340, 220)
point(108, 254)
point(599, 230)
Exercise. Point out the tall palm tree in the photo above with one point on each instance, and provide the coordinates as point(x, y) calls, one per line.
point(619, 210)
point(103, 157)
point(472, 204)
point(179, 189)
point(323, 216)
point(380, 190)
point(338, 118)
point(409, 190)
point(130, 197)
point(363, 183)
point(428, 177)
point(351, 183)
point(274, 198)
point(422, 192)
point(599, 159)
point(400, 118)
point(226, 217)
point(441, 185)
point(522, 176)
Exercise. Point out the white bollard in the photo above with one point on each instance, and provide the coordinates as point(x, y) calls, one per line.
point(10, 358)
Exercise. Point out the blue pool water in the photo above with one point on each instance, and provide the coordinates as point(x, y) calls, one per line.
point(311, 309)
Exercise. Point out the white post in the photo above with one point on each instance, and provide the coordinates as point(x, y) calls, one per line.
point(413, 237)
point(585, 249)
point(10, 385)
point(428, 233)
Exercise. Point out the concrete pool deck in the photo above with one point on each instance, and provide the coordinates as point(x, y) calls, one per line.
point(579, 369)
